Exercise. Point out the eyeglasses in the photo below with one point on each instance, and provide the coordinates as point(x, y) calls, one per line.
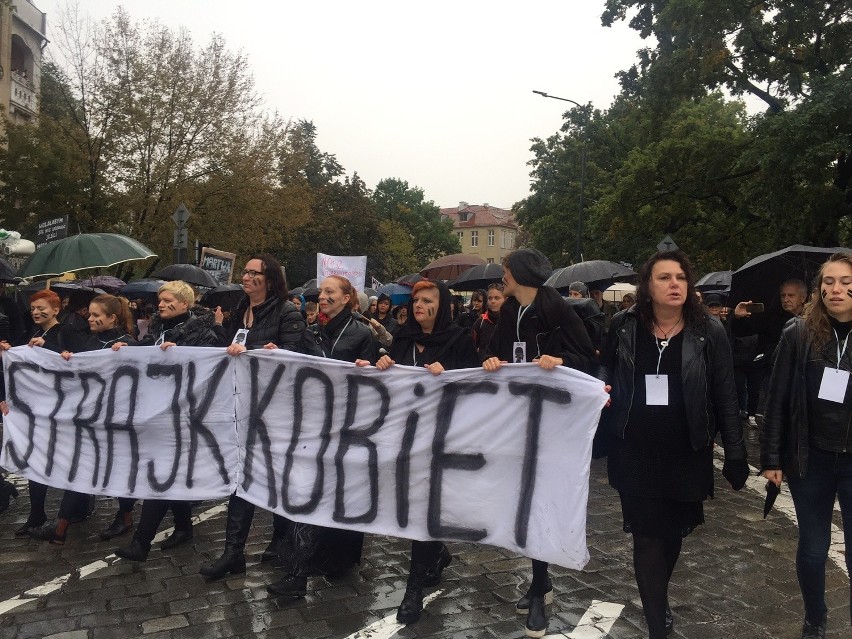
point(251, 273)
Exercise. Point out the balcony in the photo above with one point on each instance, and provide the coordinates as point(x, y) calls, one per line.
point(23, 96)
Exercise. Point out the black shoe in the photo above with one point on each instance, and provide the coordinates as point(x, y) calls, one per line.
point(29, 525)
point(47, 532)
point(119, 526)
point(523, 605)
point(411, 607)
point(289, 586)
point(433, 575)
point(177, 538)
point(134, 552)
point(814, 630)
point(669, 620)
point(7, 492)
point(536, 618)
point(234, 563)
point(272, 550)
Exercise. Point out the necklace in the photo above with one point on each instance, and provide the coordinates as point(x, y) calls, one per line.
point(665, 341)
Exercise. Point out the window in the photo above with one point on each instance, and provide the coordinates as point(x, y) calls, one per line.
point(502, 239)
point(474, 238)
point(490, 237)
point(490, 259)
point(461, 235)
point(512, 240)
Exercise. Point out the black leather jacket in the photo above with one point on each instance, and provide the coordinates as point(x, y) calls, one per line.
point(708, 382)
point(786, 434)
point(275, 320)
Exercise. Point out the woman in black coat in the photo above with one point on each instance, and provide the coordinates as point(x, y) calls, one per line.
point(806, 436)
point(432, 340)
point(318, 550)
point(484, 327)
point(264, 318)
point(671, 372)
point(174, 324)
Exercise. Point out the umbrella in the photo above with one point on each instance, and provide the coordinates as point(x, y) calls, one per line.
point(370, 292)
point(311, 284)
point(188, 273)
point(715, 281)
point(450, 266)
point(760, 279)
point(79, 252)
point(142, 289)
point(299, 290)
point(107, 282)
point(398, 293)
point(477, 277)
point(598, 275)
point(8, 274)
point(226, 295)
point(771, 495)
point(411, 279)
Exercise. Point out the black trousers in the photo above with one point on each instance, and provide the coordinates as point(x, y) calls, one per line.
point(153, 513)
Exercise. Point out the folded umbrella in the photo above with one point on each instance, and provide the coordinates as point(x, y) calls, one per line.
point(772, 492)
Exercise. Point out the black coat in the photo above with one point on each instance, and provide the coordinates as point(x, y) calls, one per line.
point(343, 338)
point(707, 374)
point(195, 330)
point(457, 351)
point(275, 320)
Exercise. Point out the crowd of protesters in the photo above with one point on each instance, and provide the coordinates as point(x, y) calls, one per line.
point(684, 374)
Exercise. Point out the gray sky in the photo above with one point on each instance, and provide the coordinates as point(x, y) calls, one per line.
point(437, 93)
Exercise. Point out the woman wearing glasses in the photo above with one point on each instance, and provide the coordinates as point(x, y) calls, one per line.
point(264, 318)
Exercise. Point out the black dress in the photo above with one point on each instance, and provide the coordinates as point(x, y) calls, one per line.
point(661, 479)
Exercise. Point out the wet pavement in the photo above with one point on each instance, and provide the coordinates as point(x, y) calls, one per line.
point(736, 578)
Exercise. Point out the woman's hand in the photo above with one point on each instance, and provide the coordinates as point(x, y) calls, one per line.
point(548, 362)
point(270, 346)
point(384, 363)
point(435, 368)
point(218, 316)
point(163, 346)
point(236, 349)
point(775, 476)
point(492, 364)
point(362, 363)
point(608, 390)
point(740, 310)
point(66, 355)
point(4, 408)
point(5, 346)
point(118, 346)
point(35, 341)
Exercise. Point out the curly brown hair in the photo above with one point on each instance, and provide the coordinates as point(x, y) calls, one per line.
point(816, 313)
point(693, 311)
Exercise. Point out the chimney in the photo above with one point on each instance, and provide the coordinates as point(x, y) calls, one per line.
point(462, 205)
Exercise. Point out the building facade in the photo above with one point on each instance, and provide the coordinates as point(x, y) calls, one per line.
point(22, 41)
point(483, 230)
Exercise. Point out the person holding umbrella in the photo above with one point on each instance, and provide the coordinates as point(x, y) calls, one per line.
point(806, 436)
point(265, 318)
point(672, 381)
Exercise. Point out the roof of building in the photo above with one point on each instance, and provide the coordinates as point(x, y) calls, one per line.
point(473, 215)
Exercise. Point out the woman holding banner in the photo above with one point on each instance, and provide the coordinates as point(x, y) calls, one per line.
point(432, 340)
point(671, 373)
point(172, 325)
point(318, 550)
point(536, 325)
point(264, 318)
point(110, 321)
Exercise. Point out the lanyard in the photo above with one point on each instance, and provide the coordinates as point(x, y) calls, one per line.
point(414, 354)
point(521, 312)
point(840, 352)
point(662, 345)
point(339, 336)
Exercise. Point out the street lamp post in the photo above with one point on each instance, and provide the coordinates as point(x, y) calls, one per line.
point(579, 249)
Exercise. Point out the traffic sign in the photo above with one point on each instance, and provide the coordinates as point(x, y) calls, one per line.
point(181, 238)
point(667, 244)
point(181, 215)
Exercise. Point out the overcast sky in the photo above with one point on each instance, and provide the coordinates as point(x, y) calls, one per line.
point(437, 93)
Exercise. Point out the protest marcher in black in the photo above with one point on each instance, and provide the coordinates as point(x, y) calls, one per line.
point(537, 325)
point(430, 339)
point(484, 327)
point(57, 337)
point(383, 313)
point(110, 321)
point(172, 325)
point(264, 318)
point(318, 550)
point(671, 372)
point(805, 435)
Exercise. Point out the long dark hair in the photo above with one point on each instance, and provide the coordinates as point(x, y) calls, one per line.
point(816, 312)
point(693, 311)
point(275, 284)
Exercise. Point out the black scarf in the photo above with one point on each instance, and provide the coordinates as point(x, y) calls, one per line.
point(444, 333)
point(336, 324)
point(548, 305)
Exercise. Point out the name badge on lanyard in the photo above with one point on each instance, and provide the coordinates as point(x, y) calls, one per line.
point(241, 336)
point(519, 352)
point(835, 381)
point(657, 386)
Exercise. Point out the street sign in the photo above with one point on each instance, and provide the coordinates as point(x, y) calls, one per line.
point(181, 238)
point(181, 215)
point(667, 244)
point(53, 229)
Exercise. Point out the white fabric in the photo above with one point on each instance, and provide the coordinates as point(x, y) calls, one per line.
point(453, 447)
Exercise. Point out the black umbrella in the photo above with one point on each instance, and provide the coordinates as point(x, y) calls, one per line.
point(310, 284)
point(598, 275)
point(477, 277)
point(142, 289)
point(410, 280)
point(188, 273)
point(8, 273)
point(771, 495)
point(715, 281)
point(227, 296)
point(760, 279)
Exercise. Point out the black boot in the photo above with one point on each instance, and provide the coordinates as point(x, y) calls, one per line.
point(536, 617)
point(177, 538)
point(233, 560)
point(433, 574)
point(411, 607)
point(136, 551)
point(123, 523)
point(7, 492)
point(814, 630)
point(32, 523)
point(523, 605)
point(289, 586)
point(272, 550)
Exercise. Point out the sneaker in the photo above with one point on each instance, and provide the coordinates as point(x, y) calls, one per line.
point(752, 421)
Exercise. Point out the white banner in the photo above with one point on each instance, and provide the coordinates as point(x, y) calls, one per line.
point(352, 267)
point(499, 458)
